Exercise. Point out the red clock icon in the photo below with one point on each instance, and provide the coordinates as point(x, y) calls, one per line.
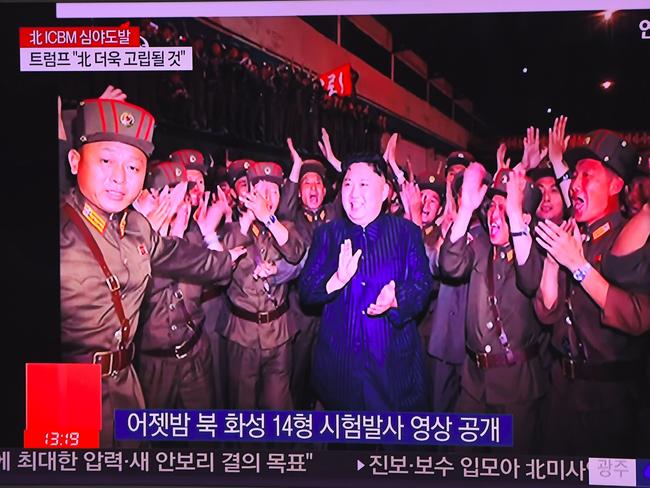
point(63, 406)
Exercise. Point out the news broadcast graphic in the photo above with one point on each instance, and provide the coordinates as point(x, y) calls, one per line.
point(185, 466)
point(96, 49)
point(233, 309)
point(321, 427)
point(64, 406)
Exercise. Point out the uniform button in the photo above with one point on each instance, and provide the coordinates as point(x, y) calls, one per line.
point(172, 306)
point(363, 312)
point(567, 320)
point(363, 283)
point(498, 276)
point(173, 327)
point(502, 255)
point(489, 325)
point(488, 349)
point(123, 296)
point(126, 262)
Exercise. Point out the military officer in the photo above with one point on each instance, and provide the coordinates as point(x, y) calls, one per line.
point(552, 206)
point(447, 313)
point(197, 170)
point(175, 363)
point(107, 253)
point(598, 378)
point(502, 372)
point(259, 330)
point(303, 197)
point(433, 197)
point(456, 162)
point(236, 172)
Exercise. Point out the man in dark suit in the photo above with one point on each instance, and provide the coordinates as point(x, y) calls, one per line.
point(368, 354)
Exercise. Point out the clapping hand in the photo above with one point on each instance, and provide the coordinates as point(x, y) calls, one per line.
point(385, 300)
point(295, 157)
point(325, 147)
point(264, 270)
point(348, 263)
point(256, 203)
point(532, 154)
point(181, 219)
point(208, 216)
point(515, 187)
point(113, 93)
point(236, 253)
point(473, 190)
point(557, 142)
point(502, 162)
point(563, 243)
point(412, 201)
point(160, 207)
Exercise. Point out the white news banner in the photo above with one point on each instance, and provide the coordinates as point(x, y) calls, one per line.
point(106, 59)
point(612, 472)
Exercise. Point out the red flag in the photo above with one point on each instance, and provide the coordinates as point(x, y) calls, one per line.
point(338, 81)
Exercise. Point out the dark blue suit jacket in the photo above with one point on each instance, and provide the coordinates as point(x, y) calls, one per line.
point(363, 362)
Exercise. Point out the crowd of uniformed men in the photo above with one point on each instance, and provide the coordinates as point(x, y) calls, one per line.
point(230, 92)
point(523, 292)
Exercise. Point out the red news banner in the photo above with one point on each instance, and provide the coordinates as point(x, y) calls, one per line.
point(60, 37)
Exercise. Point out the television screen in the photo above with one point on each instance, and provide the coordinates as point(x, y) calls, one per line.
point(327, 242)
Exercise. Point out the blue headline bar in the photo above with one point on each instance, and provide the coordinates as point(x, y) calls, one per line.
point(314, 426)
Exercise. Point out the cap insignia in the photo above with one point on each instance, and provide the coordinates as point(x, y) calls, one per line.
point(127, 119)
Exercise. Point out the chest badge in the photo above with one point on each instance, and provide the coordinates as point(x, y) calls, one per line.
point(601, 231)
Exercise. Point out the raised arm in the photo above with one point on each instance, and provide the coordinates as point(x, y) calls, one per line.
point(557, 145)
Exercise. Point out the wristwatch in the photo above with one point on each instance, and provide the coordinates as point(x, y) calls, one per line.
point(581, 273)
point(566, 176)
point(271, 220)
point(524, 232)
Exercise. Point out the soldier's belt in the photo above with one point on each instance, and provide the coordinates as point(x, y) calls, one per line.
point(259, 317)
point(611, 371)
point(113, 362)
point(179, 351)
point(484, 360)
point(210, 293)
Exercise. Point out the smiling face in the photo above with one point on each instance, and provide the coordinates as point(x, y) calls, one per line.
point(497, 224)
point(196, 193)
point(594, 191)
point(362, 193)
point(430, 206)
point(271, 193)
point(110, 174)
point(312, 191)
point(551, 207)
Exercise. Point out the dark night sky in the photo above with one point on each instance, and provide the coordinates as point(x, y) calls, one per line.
point(567, 55)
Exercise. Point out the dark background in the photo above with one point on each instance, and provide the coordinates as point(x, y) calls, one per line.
point(568, 55)
point(30, 270)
